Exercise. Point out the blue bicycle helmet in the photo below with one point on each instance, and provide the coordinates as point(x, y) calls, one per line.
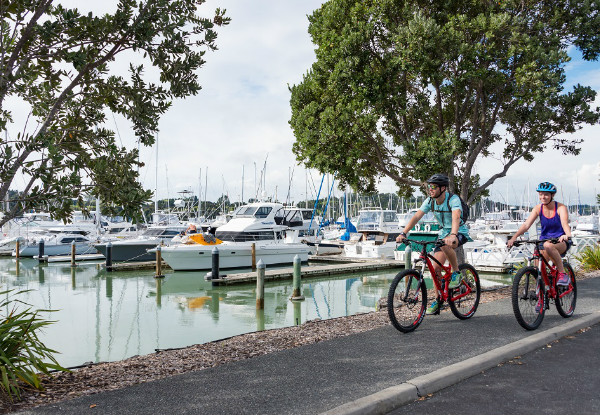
point(546, 187)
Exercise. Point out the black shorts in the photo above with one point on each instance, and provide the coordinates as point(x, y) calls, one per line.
point(569, 245)
point(462, 239)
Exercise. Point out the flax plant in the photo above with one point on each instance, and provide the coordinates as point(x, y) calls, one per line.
point(590, 258)
point(22, 355)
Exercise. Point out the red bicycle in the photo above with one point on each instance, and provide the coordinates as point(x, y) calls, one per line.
point(534, 287)
point(407, 297)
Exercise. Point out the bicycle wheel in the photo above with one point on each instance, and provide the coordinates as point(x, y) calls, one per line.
point(407, 300)
point(567, 296)
point(464, 299)
point(527, 294)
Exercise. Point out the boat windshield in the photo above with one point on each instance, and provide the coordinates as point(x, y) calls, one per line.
point(246, 211)
point(369, 219)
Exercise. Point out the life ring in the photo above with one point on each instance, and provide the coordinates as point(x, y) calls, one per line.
point(417, 227)
point(428, 228)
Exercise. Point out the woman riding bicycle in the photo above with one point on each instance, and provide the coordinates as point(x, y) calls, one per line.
point(554, 221)
point(447, 211)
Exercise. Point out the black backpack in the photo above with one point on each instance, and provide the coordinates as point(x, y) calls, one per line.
point(465, 208)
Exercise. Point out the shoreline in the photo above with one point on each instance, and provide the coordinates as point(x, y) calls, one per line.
point(100, 377)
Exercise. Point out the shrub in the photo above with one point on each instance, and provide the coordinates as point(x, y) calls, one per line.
point(589, 258)
point(22, 354)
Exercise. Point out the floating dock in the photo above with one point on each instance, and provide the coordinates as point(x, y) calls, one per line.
point(342, 266)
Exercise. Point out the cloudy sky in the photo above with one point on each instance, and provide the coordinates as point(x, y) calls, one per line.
point(240, 118)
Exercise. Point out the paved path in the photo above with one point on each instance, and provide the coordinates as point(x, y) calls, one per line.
point(332, 375)
point(562, 378)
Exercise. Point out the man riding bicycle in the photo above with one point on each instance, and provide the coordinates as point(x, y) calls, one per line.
point(447, 210)
point(554, 224)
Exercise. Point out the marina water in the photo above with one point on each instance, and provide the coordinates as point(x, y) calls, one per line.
point(106, 316)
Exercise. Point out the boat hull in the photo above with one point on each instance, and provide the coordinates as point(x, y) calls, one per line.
point(130, 252)
point(199, 257)
point(53, 250)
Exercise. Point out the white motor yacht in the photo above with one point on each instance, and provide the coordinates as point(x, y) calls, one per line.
point(57, 242)
point(377, 231)
point(261, 224)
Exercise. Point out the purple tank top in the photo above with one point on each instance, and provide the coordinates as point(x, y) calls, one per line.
point(550, 227)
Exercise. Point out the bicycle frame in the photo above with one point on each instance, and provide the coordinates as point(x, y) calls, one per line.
point(543, 266)
point(441, 286)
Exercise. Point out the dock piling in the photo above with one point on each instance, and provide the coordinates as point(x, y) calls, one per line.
point(215, 264)
point(260, 284)
point(158, 273)
point(109, 256)
point(17, 249)
point(41, 250)
point(73, 264)
point(253, 250)
point(297, 280)
point(408, 257)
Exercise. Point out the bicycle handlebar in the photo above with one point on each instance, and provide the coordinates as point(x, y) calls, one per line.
point(536, 241)
point(438, 242)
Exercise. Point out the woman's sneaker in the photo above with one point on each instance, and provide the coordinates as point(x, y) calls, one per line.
point(563, 279)
point(455, 279)
point(434, 308)
point(539, 305)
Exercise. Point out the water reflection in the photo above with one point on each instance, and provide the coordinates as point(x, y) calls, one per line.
point(110, 316)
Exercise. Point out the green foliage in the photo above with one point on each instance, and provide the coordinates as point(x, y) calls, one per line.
point(590, 258)
point(406, 89)
point(75, 72)
point(22, 354)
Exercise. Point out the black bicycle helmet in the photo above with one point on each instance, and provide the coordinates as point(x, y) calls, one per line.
point(546, 187)
point(439, 179)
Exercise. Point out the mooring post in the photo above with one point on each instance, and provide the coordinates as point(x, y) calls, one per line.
point(297, 280)
point(260, 284)
point(253, 256)
point(215, 264)
point(73, 264)
point(17, 249)
point(408, 257)
point(158, 273)
point(109, 256)
point(41, 250)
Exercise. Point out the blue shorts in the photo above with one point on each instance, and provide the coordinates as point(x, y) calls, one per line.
point(462, 239)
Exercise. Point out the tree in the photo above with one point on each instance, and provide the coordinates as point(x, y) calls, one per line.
point(65, 68)
point(407, 88)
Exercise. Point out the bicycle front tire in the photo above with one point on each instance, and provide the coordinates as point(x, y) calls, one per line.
point(527, 294)
point(407, 300)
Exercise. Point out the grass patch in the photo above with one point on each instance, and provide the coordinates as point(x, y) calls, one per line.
point(589, 258)
point(22, 354)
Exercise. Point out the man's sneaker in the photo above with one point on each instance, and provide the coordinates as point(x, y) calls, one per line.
point(563, 279)
point(434, 308)
point(455, 279)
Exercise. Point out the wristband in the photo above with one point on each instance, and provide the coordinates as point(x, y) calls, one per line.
point(402, 233)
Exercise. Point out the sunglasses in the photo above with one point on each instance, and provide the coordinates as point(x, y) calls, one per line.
point(432, 186)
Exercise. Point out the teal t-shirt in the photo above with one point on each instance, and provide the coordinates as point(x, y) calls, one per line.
point(444, 217)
